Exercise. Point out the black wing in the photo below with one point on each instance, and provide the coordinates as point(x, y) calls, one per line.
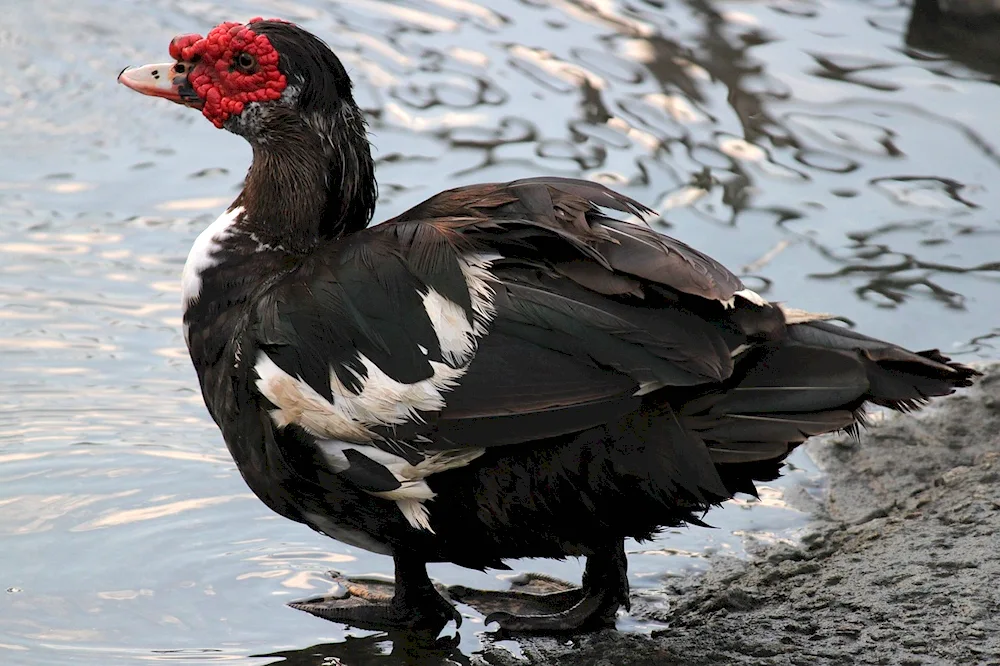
point(506, 314)
point(570, 317)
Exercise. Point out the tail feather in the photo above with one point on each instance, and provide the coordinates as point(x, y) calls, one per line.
point(816, 381)
point(773, 427)
point(897, 378)
point(904, 385)
point(746, 452)
point(794, 379)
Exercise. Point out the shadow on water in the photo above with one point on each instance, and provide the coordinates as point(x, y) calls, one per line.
point(841, 156)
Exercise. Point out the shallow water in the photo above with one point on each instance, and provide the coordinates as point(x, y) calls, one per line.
point(802, 143)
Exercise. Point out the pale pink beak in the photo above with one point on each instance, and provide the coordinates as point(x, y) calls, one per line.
point(167, 80)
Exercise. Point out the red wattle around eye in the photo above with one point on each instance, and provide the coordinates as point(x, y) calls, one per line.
point(224, 90)
point(182, 43)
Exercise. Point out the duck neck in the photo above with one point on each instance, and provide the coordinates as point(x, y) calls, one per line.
point(312, 179)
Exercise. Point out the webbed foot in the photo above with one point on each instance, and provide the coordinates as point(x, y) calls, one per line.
point(376, 604)
point(541, 604)
point(530, 594)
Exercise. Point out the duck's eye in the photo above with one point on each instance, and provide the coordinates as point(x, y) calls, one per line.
point(246, 63)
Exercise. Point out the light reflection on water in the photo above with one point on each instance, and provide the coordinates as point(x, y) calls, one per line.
point(805, 143)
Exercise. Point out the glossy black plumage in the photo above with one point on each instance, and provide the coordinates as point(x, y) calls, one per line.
point(506, 370)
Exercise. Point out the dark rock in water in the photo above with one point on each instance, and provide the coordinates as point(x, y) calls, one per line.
point(967, 31)
point(978, 8)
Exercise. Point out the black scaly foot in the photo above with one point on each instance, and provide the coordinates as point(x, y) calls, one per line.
point(411, 604)
point(594, 605)
point(530, 594)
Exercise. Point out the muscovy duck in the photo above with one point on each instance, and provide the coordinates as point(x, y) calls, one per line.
point(506, 370)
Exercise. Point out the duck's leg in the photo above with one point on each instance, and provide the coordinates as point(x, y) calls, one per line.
point(595, 604)
point(416, 604)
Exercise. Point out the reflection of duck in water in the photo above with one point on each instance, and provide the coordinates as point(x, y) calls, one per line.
point(392, 649)
point(504, 371)
point(967, 31)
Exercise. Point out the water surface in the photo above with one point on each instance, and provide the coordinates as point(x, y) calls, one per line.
point(803, 143)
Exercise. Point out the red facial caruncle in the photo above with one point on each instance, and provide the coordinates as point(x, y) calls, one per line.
point(232, 66)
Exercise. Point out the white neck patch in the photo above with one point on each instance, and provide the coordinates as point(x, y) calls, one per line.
point(203, 253)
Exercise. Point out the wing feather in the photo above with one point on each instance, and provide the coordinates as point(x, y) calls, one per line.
point(588, 315)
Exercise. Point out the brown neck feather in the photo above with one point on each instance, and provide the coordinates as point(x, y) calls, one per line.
point(312, 179)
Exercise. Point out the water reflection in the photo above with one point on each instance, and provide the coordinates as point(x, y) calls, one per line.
point(843, 156)
point(377, 650)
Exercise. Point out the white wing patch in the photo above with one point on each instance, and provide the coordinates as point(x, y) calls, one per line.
point(347, 420)
point(648, 387)
point(385, 401)
point(797, 316)
point(477, 275)
point(202, 254)
point(456, 334)
point(413, 490)
point(453, 329)
point(747, 295)
point(739, 350)
point(382, 400)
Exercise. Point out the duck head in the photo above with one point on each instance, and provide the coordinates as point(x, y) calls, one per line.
point(284, 91)
point(247, 77)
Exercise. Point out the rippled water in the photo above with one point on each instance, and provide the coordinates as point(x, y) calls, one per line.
point(804, 143)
